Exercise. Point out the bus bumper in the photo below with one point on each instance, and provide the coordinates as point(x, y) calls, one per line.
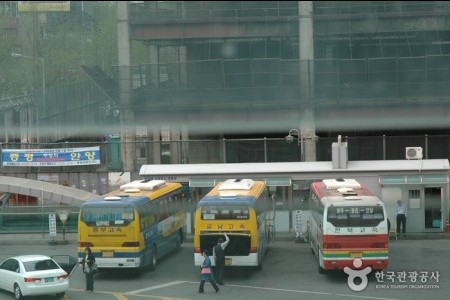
point(104, 263)
point(375, 264)
point(245, 261)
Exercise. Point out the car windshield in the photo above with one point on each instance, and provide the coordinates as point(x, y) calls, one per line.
point(40, 265)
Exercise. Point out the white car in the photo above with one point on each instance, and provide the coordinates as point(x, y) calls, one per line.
point(31, 275)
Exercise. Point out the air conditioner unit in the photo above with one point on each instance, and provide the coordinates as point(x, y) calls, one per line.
point(414, 153)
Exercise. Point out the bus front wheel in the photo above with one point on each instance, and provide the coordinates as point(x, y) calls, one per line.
point(154, 258)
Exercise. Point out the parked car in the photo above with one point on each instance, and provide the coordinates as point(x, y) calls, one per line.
point(31, 275)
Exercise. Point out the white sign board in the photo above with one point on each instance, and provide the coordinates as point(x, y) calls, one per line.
point(63, 214)
point(52, 224)
point(298, 223)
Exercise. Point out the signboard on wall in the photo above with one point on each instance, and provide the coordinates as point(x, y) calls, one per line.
point(42, 6)
point(51, 157)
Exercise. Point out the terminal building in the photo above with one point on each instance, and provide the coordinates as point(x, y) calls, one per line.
point(423, 185)
point(218, 70)
point(258, 69)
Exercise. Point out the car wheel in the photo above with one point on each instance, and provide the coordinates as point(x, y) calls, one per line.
point(17, 292)
point(60, 295)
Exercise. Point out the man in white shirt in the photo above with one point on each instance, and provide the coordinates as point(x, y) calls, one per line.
point(401, 218)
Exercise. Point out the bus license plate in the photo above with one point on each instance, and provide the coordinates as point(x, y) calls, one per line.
point(49, 279)
point(108, 254)
point(355, 254)
point(228, 261)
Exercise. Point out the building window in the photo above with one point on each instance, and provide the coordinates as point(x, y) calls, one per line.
point(414, 198)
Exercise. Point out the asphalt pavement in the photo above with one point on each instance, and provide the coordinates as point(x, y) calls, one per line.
point(71, 238)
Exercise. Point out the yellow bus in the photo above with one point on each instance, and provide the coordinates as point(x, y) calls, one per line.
point(243, 210)
point(135, 226)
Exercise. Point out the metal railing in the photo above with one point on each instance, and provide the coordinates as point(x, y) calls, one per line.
point(35, 219)
point(242, 151)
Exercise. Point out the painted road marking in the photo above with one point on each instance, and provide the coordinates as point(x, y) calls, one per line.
point(303, 292)
point(155, 287)
point(122, 296)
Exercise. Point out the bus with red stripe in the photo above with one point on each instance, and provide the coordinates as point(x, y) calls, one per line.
point(347, 222)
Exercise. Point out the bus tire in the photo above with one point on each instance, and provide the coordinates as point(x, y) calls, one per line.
point(321, 270)
point(260, 265)
point(179, 240)
point(154, 258)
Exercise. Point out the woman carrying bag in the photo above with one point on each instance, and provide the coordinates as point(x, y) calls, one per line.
point(207, 274)
point(89, 268)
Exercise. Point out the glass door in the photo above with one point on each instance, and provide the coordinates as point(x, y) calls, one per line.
point(433, 209)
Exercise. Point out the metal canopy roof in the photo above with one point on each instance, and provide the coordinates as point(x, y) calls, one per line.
point(49, 191)
point(286, 168)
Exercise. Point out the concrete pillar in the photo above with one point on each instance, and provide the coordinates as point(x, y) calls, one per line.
point(175, 137)
point(8, 125)
point(25, 126)
point(183, 66)
point(156, 145)
point(306, 56)
point(173, 67)
point(153, 66)
point(185, 144)
point(125, 88)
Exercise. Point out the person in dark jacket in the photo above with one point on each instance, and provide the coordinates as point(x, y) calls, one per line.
point(88, 264)
point(207, 274)
point(219, 257)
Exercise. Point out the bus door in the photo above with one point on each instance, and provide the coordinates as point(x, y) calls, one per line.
point(271, 219)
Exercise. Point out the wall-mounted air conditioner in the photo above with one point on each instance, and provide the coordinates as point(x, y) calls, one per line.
point(414, 153)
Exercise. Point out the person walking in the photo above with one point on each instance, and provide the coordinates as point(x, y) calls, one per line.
point(88, 264)
point(219, 257)
point(207, 274)
point(401, 218)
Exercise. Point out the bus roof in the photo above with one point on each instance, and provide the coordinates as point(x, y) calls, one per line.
point(234, 191)
point(134, 196)
point(345, 192)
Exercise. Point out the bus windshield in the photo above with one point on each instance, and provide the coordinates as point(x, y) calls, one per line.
point(355, 216)
point(107, 216)
point(227, 212)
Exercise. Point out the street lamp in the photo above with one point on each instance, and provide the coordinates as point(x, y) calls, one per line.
point(40, 59)
point(301, 138)
point(290, 138)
